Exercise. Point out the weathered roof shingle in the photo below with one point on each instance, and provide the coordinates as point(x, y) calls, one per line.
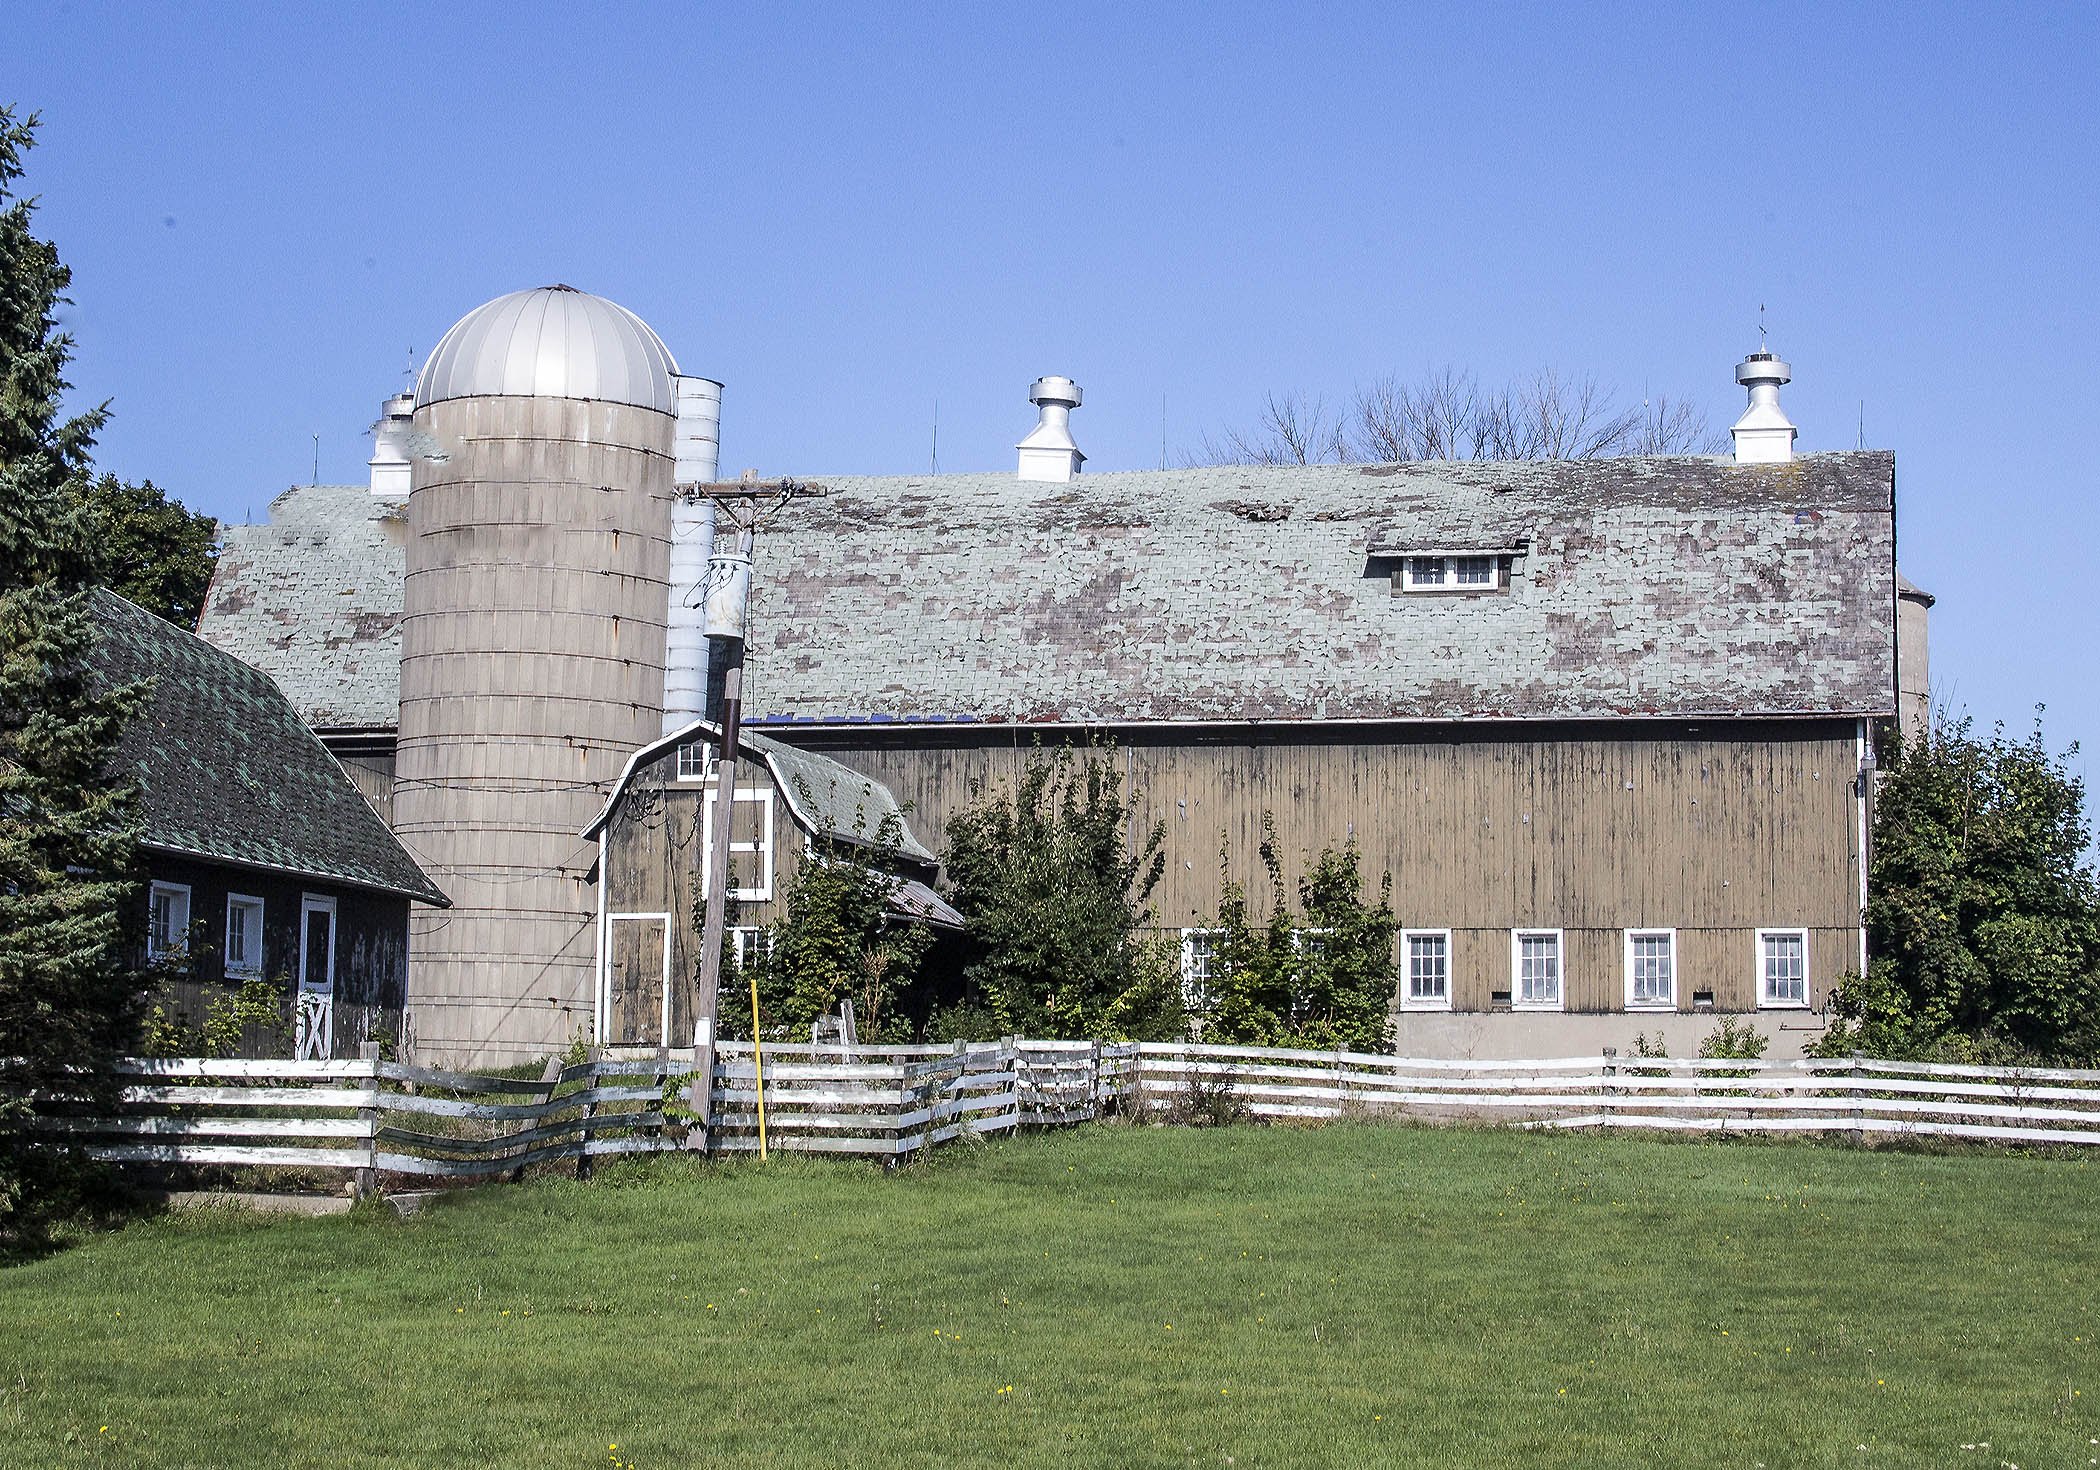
point(228, 772)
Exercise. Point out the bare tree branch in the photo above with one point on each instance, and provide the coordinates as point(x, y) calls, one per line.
point(1447, 415)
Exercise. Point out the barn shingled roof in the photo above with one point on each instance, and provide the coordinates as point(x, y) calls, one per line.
point(1682, 586)
point(227, 772)
point(313, 598)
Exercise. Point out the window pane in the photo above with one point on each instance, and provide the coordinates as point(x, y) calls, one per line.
point(1653, 969)
point(1786, 968)
point(1427, 571)
point(1538, 969)
point(1474, 571)
point(1428, 969)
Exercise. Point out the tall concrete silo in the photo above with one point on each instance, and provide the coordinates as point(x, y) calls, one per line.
point(532, 651)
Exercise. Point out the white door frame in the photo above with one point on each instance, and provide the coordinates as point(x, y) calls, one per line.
point(314, 1003)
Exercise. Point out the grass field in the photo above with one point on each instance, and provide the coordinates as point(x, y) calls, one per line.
point(1355, 1295)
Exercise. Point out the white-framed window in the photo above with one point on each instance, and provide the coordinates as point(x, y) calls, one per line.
point(244, 935)
point(1651, 969)
point(1425, 969)
point(1782, 968)
point(696, 761)
point(1463, 572)
point(1199, 958)
point(167, 919)
point(1535, 981)
point(751, 943)
point(755, 877)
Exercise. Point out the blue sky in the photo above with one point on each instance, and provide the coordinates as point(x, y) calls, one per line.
point(850, 213)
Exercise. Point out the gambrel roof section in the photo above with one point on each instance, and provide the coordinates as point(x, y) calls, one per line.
point(1661, 587)
point(1636, 587)
point(313, 599)
point(226, 770)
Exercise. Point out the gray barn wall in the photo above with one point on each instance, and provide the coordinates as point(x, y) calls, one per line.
point(1715, 830)
point(532, 652)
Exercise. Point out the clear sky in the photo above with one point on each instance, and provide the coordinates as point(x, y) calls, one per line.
point(850, 213)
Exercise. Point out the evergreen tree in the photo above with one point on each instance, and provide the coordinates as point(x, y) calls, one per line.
point(68, 835)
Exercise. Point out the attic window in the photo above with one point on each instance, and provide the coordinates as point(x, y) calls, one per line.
point(1463, 571)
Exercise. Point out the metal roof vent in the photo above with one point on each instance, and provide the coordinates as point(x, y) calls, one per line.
point(390, 441)
point(1763, 435)
point(1049, 453)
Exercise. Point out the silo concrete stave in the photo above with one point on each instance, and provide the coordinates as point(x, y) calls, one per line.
point(532, 652)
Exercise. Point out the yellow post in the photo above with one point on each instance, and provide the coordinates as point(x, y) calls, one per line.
point(758, 1066)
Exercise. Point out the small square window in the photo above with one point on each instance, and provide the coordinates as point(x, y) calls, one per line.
point(1473, 571)
point(695, 761)
point(167, 920)
point(244, 935)
point(752, 944)
point(1426, 974)
point(1425, 571)
point(755, 807)
point(1651, 969)
point(1535, 969)
point(1782, 968)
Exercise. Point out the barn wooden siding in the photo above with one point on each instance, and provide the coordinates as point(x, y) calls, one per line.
point(1713, 829)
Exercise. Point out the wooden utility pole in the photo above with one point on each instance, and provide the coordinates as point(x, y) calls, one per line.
point(748, 503)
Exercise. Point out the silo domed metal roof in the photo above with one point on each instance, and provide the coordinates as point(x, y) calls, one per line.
point(551, 342)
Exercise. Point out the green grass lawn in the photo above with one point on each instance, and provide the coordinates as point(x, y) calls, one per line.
point(1351, 1295)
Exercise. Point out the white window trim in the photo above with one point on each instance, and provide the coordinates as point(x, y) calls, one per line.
point(707, 764)
point(1656, 1006)
point(1409, 1002)
point(254, 968)
point(744, 937)
point(1516, 970)
point(1450, 582)
point(1193, 993)
point(1757, 959)
point(178, 944)
point(318, 903)
point(763, 847)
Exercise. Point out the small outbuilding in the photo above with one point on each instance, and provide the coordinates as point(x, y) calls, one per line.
point(262, 861)
point(655, 839)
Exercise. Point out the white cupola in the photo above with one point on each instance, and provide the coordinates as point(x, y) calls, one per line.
point(1049, 453)
point(389, 461)
point(1764, 434)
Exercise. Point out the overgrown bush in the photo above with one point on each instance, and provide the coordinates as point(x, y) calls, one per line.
point(838, 939)
point(1983, 914)
point(1054, 892)
point(1323, 976)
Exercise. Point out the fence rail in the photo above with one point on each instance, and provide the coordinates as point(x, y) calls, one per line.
point(372, 1119)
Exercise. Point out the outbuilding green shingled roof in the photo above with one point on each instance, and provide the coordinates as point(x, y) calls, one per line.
point(227, 770)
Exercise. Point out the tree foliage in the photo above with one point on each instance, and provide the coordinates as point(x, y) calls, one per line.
point(68, 836)
point(1052, 881)
point(149, 547)
point(837, 940)
point(1323, 976)
point(1450, 415)
point(1983, 915)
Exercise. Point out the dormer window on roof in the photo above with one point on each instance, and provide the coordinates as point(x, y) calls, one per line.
point(1455, 571)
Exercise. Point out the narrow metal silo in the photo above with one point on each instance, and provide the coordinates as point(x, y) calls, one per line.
point(532, 651)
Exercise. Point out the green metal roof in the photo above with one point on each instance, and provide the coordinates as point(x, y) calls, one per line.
point(230, 774)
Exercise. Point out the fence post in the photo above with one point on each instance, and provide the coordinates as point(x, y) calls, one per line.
point(1859, 1103)
point(1093, 1082)
point(366, 1180)
point(700, 1092)
point(1136, 1065)
point(590, 1111)
point(1609, 1089)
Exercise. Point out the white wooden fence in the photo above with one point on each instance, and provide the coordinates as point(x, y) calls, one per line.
point(373, 1119)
